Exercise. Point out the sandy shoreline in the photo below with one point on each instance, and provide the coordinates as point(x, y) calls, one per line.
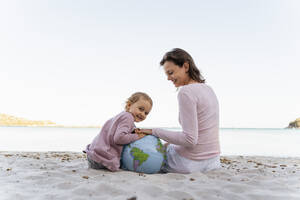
point(64, 175)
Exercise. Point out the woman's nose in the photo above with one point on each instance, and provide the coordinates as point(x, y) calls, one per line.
point(169, 78)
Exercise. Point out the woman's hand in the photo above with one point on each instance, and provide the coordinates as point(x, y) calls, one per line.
point(146, 131)
point(166, 145)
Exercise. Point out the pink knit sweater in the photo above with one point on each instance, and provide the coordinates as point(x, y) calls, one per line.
point(107, 146)
point(199, 119)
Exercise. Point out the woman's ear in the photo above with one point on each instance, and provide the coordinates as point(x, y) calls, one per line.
point(186, 67)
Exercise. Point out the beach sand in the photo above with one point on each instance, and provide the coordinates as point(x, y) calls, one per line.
point(64, 175)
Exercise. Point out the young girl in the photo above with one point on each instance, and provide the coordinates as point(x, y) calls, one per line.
point(106, 148)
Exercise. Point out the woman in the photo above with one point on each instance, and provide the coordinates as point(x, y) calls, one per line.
point(196, 148)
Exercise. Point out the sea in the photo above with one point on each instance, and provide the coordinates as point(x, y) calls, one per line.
point(234, 141)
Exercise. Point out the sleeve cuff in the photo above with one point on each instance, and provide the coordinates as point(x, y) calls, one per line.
point(155, 131)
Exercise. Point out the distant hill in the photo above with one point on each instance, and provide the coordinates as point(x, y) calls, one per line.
point(294, 124)
point(9, 120)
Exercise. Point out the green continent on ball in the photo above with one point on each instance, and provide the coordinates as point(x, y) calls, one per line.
point(160, 148)
point(139, 155)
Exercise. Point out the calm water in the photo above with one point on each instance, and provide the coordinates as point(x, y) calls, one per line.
point(264, 142)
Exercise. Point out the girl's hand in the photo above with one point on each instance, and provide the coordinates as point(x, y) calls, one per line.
point(141, 135)
point(137, 130)
point(146, 131)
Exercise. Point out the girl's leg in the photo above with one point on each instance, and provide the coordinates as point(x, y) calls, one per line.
point(94, 165)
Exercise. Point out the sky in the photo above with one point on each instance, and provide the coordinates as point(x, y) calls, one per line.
point(76, 62)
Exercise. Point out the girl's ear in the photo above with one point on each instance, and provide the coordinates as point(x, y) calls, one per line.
point(186, 67)
point(127, 107)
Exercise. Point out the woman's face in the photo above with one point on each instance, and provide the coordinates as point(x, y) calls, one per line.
point(178, 75)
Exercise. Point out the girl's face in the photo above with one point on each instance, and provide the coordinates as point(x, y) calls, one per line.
point(178, 75)
point(139, 109)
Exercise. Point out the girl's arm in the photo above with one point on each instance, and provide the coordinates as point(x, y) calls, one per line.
point(123, 134)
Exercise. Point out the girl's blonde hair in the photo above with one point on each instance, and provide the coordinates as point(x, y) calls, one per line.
point(135, 97)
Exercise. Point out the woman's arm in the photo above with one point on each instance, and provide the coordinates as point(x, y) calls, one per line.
point(189, 123)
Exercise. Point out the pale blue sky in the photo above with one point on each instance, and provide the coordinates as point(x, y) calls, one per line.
point(76, 62)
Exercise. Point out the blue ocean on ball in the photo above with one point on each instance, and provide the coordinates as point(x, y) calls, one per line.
point(146, 155)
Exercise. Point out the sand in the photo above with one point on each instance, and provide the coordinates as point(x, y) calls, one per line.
point(64, 175)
